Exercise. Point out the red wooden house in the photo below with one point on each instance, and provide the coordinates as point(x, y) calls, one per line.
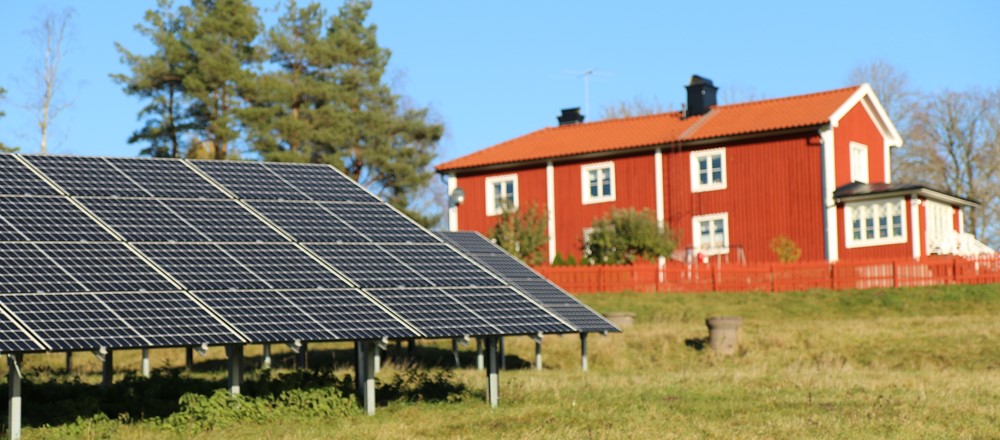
point(726, 178)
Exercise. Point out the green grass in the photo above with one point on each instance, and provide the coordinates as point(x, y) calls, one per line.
point(913, 363)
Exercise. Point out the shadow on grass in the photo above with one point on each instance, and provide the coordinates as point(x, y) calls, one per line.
point(696, 343)
point(423, 374)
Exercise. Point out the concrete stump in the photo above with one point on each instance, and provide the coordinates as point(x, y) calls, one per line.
point(723, 333)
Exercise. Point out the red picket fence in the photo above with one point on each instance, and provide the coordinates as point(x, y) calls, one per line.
point(679, 277)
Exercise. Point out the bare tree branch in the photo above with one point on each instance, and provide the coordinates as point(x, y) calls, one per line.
point(51, 37)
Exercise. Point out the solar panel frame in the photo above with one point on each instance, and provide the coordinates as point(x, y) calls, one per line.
point(249, 180)
point(105, 267)
point(37, 218)
point(14, 339)
point(18, 179)
point(167, 178)
point(142, 220)
point(24, 268)
point(223, 220)
point(441, 264)
point(307, 222)
point(508, 310)
point(321, 182)
point(168, 319)
point(368, 265)
point(72, 321)
point(434, 312)
point(86, 176)
point(379, 223)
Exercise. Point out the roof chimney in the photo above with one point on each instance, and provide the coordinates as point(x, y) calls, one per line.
point(570, 116)
point(701, 95)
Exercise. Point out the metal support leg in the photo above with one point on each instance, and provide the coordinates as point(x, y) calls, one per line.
point(14, 395)
point(583, 351)
point(454, 353)
point(503, 354)
point(479, 353)
point(538, 354)
point(359, 370)
point(376, 358)
point(69, 362)
point(235, 353)
point(302, 358)
point(267, 356)
point(145, 363)
point(108, 371)
point(492, 373)
point(370, 349)
point(188, 359)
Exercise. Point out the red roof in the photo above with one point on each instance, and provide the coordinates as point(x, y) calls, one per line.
point(620, 134)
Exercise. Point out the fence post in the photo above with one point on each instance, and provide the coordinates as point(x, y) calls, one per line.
point(895, 275)
point(833, 276)
point(635, 284)
point(714, 270)
point(774, 287)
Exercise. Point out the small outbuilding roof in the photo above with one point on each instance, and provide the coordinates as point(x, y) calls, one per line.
point(858, 191)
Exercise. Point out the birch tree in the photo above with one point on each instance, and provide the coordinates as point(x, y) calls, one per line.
point(50, 36)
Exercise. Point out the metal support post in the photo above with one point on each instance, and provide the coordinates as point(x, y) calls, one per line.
point(14, 395)
point(479, 353)
point(503, 354)
point(69, 362)
point(145, 363)
point(359, 370)
point(108, 371)
point(538, 354)
point(492, 374)
point(376, 358)
point(583, 351)
point(302, 358)
point(370, 351)
point(454, 353)
point(188, 359)
point(235, 353)
point(267, 356)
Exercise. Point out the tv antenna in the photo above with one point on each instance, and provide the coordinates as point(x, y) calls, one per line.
point(586, 74)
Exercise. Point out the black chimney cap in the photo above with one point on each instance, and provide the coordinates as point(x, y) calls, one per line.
point(701, 95)
point(570, 116)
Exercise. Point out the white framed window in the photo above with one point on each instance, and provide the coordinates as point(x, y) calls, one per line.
point(708, 170)
point(875, 223)
point(859, 162)
point(501, 192)
point(711, 233)
point(598, 182)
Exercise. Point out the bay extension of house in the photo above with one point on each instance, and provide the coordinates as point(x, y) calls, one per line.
point(112, 253)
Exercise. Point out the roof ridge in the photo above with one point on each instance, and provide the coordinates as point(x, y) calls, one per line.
point(788, 98)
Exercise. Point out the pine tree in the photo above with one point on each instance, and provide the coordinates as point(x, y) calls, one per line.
point(220, 36)
point(159, 79)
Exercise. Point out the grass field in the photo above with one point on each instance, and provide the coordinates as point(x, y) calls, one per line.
point(913, 363)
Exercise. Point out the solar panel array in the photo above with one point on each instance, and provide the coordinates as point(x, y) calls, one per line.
point(515, 272)
point(129, 253)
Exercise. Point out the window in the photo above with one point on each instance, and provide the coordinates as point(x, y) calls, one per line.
point(708, 170)
point(859, 162)
point(875, 223)
point(598, 180)
point(940, 227)
point(501, 192)
point(711, 233)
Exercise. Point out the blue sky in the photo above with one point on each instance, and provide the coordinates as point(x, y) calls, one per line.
point(493, 71)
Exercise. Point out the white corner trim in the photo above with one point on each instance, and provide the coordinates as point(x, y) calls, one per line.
point(550, 207)
point(452, 208)
point(831, 242)
point(658, 182)
point(915, 221)
point(696, 185)
point(887, 151)
point(585, 197)
point(961, 220)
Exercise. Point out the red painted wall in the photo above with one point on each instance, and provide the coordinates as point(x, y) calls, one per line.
point(773, 188)
point(472, 212)
point(635, 185)
point(857, 126)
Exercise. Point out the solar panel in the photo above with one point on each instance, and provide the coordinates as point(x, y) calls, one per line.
point(321, 182)
point(441, 265)
point(17, 179)
point(13, 339)
point(318, 315)
point(508, 310)
point(307, 222)
point(368, 265)
point(225, 266)
point(249, 180)
point(223, 220)
point(379, 223)
point(24, 269)
point(86, 176)
point(434, 312)
point(47, 219)
point(167, 319)
point(105, 267)
point(167, 178)
point(72, 321)
point(528, 281)
point(142, 220)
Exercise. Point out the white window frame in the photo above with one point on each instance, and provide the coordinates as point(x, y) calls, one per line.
point(585, 170)
point(491, 205)
point(859, 162)
point(874, 210)
point(696, 185)
point(696, 222)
